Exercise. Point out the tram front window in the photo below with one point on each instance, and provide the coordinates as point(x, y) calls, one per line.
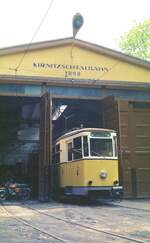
point(101, 147)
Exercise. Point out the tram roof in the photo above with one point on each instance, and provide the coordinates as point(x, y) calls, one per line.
point(80, 130)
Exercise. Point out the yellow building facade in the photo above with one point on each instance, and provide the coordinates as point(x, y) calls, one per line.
point(78, 70)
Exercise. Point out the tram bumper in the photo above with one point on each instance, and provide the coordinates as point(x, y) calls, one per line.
point(115, 192)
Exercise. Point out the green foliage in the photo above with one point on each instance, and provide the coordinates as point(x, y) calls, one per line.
point(137, 41)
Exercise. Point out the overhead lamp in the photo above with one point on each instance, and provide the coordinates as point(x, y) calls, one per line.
point(77, 23)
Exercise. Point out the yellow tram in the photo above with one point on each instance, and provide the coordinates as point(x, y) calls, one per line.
point(87, 163)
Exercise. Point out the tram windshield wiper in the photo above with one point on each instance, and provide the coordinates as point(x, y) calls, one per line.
point(77, 150)
point(95, 153)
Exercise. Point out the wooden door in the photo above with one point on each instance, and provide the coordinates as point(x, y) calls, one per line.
point(45, 155)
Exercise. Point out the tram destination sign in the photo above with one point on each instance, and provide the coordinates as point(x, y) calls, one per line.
point(71, 70)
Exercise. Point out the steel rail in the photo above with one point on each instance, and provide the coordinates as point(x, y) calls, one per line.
point(122, 206)
point(23, 221)
point(86, 226)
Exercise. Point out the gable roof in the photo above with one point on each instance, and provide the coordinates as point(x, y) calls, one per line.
point(83, 44)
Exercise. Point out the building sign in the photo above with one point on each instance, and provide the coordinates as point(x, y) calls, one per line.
point(70, 70)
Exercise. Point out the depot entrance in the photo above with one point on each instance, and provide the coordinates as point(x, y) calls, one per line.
point(29, 127)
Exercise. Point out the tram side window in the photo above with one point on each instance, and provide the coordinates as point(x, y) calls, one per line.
point(57, 153)
point(70, 151)
point(77, 148)
point(85, 146)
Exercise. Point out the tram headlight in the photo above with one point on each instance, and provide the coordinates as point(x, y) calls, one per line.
point(90, 183)
point(116, 183)
point(103, 174)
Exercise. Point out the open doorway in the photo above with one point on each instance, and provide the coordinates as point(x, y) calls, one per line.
point(20, 141)
point(70, 114)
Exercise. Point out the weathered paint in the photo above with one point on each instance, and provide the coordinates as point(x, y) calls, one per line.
point(131, 121)
point(72, 62)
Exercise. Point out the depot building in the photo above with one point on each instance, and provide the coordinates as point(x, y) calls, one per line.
point(50, 87)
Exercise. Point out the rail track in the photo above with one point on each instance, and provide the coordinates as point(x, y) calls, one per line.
point(102, 203)
point(128, 207)
point(86, 226)
point(69, 222)
point(24, 222)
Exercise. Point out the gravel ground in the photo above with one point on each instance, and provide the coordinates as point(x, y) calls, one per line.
point(72, 222)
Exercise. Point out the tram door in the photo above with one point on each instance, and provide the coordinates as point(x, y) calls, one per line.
point(45, 148)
